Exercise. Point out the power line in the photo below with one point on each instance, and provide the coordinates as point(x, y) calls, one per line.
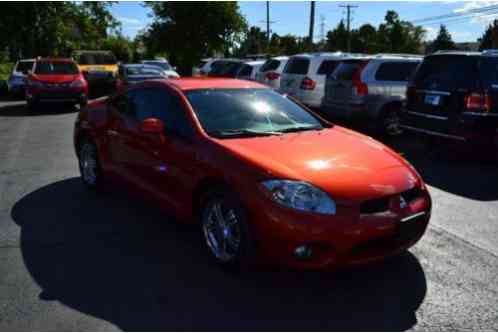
point(348, 10)
point(470, 12)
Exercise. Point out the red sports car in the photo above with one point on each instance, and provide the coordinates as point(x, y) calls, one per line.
point(56, 80)
point(266, 179)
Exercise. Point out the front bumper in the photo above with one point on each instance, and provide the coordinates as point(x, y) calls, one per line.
point(70, 96)
point(476, 128)
point(343, 240)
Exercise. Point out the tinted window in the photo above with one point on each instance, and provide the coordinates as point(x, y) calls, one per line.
point(257, 110)
point(346, 69)
point(56, 68)
point(327, 67)
point(245, 71)
point(24, 66)
point(142, 70)
point(270, 65)
point(297, 66)
point(159, 103)
point(395, 71)
point(447, 73)
point(163, 65)
point(489, 71)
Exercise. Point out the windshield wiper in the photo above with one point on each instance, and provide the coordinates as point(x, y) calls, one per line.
point(241, 133)
point(301, 128)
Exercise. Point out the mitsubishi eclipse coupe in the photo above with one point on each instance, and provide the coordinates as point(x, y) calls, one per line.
point(266, 179)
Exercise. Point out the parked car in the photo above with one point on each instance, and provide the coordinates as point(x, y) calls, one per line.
point(16, 84)
point(265, 178)
point(99, 67)
point(454, 95)
point(227, 68)
point(169, 70)
point(134, 73)
point(56, 80)
point(304, 76)
point(370, 90)
point(249, 70)
point(271, 71)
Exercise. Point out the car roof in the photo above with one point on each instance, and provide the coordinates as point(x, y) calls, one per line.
point(192, 83)
point(26, 60)
point(255, 63)
point(140, 66)
point(55, 60)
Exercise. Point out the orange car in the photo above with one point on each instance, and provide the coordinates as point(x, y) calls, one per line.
point(266, 179)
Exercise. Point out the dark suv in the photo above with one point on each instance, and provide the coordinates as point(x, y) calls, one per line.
point(454, 95)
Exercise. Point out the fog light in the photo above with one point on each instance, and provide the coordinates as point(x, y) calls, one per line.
point(303, 252)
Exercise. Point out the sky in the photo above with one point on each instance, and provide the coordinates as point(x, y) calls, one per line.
point(293, 16)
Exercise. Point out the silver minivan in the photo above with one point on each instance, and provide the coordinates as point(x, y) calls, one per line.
point(271, 71)
point(370, 90)
point(304, 76)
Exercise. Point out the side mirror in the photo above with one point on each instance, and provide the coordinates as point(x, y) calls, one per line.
point(152, 126)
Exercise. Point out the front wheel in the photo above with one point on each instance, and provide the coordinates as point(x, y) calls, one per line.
point(89, 165)
point(225, 230)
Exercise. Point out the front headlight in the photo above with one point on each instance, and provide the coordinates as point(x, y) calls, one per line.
point(300, 196)
point(78, 83)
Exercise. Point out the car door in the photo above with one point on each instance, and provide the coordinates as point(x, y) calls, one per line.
point(164, 165)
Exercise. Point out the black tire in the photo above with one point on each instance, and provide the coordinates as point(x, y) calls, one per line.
point(243, 257)
point(389, 122)
point(94, 182)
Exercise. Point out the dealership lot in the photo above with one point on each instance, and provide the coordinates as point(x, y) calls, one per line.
point(72, 260)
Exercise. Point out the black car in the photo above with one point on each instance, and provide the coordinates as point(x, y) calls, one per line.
point(454, 95)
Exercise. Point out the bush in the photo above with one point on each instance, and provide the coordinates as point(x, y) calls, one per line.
point(5, 70)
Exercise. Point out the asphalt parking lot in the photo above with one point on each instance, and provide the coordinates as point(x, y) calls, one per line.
point(73, 260)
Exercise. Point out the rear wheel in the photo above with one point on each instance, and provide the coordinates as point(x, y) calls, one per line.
point(225, 230)
point(390, 124)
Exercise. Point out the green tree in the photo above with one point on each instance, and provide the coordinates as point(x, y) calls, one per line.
point(489, 39)
point(395, 35)
point(337, 39)
point(29, 29)
point(121, 47)
point(253, 42)
point(190, 30)
point(443, 41)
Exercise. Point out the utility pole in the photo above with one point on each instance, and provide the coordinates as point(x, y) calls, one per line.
point(268, 21)
point(348, 10)
point(312, 23)
point(322, 28)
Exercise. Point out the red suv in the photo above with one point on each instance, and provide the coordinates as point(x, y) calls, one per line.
point(56, 80)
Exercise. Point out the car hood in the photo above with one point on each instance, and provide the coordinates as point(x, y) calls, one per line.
point(56, 78)
point(343, 163)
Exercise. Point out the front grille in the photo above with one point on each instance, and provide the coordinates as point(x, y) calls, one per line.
point(380, 205)
point(375, 205)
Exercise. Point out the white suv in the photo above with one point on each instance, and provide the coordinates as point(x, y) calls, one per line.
point(304, 76)
point(271, 71)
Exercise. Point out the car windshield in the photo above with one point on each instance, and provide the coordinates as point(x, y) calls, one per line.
point(142, 70)
point(96, 59)
point(249, 112)
point(164, 65)
point(24, 66)
point(56, 68)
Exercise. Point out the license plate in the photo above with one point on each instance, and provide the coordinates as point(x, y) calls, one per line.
point(432, 99)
